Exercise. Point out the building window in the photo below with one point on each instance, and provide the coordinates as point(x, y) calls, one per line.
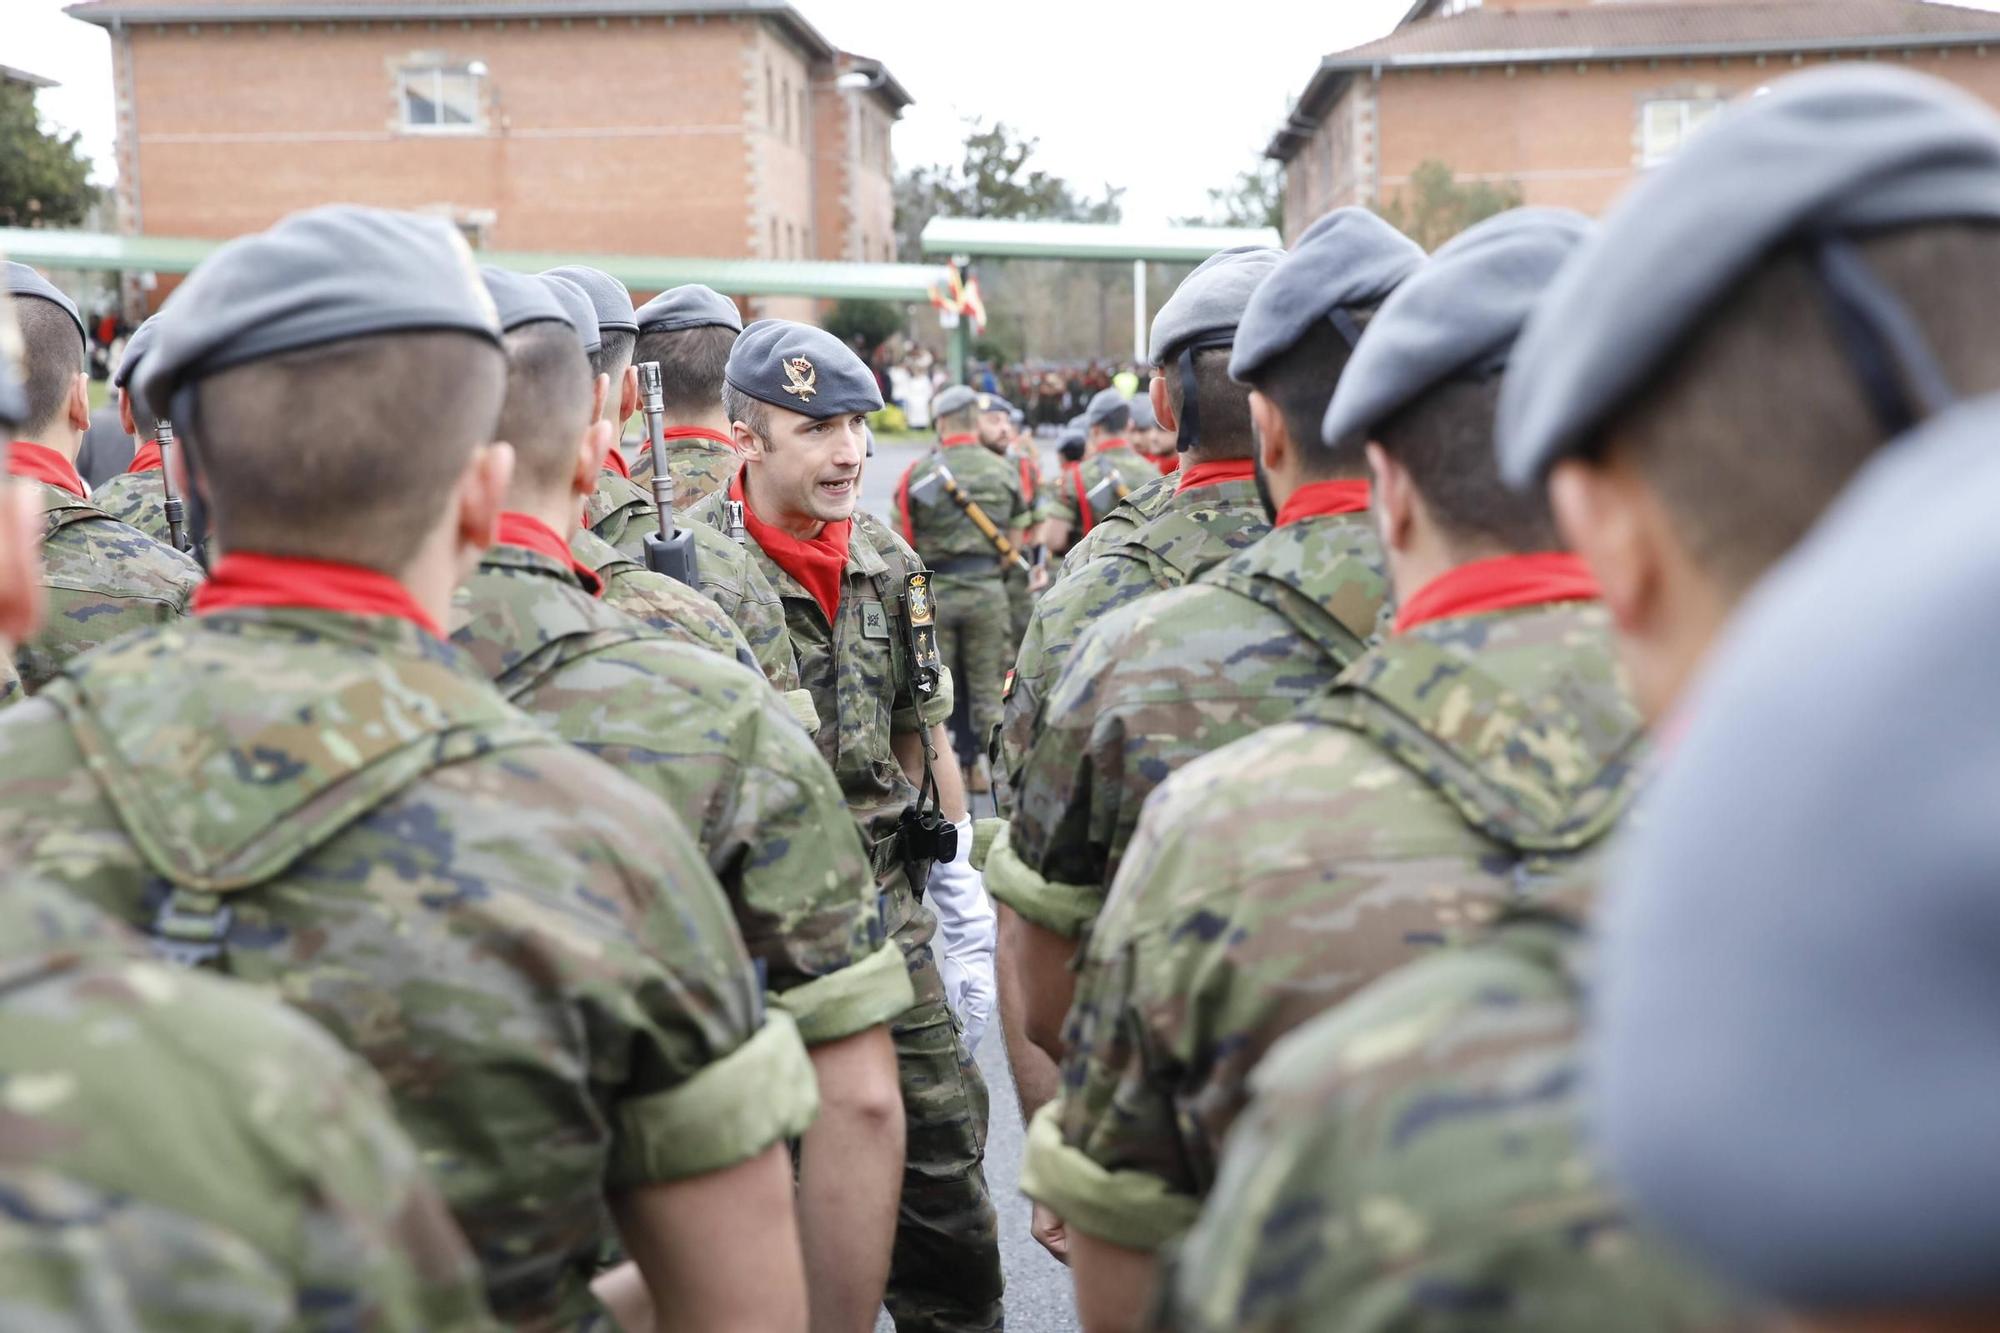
point(802, 116)
point(1666, 124)
point(787, 102)
point(441, 99)
point(774, 239)
point(770, 96)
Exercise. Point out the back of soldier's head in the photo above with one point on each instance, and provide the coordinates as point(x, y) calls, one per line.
point(547, 406)
point(52, 352)
point(333, 377)
point(690, 331)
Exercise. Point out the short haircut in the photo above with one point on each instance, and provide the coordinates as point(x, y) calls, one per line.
point(144, 424)
point(965, 421)
point(547, 406)
point(347, 451)
point(1445, 440)
point(1756, 422)
point(1225, 429)
point(613, 354)
point(752, 412)
point(691, 365)
point(52, 358)
point(1115, 420)
point(1300, 382)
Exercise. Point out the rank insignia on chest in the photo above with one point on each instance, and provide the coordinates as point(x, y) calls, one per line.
point(874, 621)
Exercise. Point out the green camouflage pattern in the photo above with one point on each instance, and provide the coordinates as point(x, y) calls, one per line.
point(699, 468)
point(138, 498)
point(104, 578)
point(1466, 764)
point(715, 744)
point(526, 946)
point(1169, 678)
point(1416, 1160)
point(180, 1154)
point(945, 1274)
point(621, 511)
point(1138, 509)
point(1193, 531)
point(938, 530)
point(684, 614)
point(975, 629)
point(1121, 460)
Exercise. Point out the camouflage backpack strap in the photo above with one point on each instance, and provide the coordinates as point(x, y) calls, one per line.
point(1521, 778)
point(1308, 616)
point(56, 517)
point(1170, 540)
point(551, 657)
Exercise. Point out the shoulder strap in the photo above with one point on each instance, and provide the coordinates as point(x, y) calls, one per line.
point(1307, 617)
point(559, 652)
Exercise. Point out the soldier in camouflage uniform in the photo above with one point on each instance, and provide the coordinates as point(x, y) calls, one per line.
point(104, 578)
point(689, 331)
point(1175, 675)
point(798, 400)
point(1110, 470)
point(713, 741)
point(137, 495)
point(307, 787)
point(1486, 748)
point(1024, 585)
point(973, 613)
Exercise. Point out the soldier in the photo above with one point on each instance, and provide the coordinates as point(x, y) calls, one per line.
point(1154, 445)
point(857, 604)
point(103, 577)
point(1486, 746)
point(1024, 585)
point(1111, 469)
point(137, 495)
point(717, 746)
point(1210, 512)
point(962, 511)
point(1688, 446)
point(1173, 676)
point(689, 331)
point(307, 787)
point(1696, 395)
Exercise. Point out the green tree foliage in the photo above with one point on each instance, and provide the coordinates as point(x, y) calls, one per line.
point(871, 321)
point(44, 176)
point(992, 180)
point(1435, 207)
point(1256, 198)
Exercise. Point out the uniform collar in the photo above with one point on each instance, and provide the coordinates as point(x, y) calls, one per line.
point(1506, 583)
point(38, 462)
point(243, 579)
point(529, 533)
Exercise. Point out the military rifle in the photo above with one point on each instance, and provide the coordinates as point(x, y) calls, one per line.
point(163, 435)
point(971, 508)
point(669, 551)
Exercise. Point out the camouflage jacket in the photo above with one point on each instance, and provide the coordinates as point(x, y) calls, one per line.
point(621, 511)
point(700, 466)
point(186, 1152)
point(1193, 530)
point(728, 577)
point(1171, 677)
point(1134, 512)
point(943, 536)
point(137, 498)
point(683, 614)
point(858, 673)
point(341, 808)
point(1453, 769)
point(104, 579)
point(714, 743)
point(1419, 1153)
point(1084, 492)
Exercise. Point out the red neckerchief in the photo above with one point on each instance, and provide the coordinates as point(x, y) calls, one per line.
point(1029, 480)
point(244, 578)
point(148, 458)
point(698, 433)
point(38, 462)
point(1086, 519)
point(614, 461)
point(1322, 499)
point(955, 441)
point(1502, 584)
point(1214, 474)
point(1168, 464)
point(1115, 442)
point(817, 564)
point(531, 534)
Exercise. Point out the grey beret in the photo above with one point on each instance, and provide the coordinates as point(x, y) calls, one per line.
point(1142, 412)
point(136, 347)
point(1107, 403)
point(953, 398)
point(689, 307)
point(522, 298)
point(24, 281)
point(1795, 1064)
point(608, 297)
point(582, 315)
point(993, 402)
point(1350, 257)
point(801, 369)
point(1211, 300)
point(1458, 314)
point(1844, 150)
point(317, 277)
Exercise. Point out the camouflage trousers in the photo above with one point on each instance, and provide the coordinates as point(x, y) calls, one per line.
point(1020, 606)
point(974, 627)
point(944, 1273)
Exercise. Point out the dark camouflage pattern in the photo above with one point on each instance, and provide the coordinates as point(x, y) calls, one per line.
point(945, 1271)
point(525, 945)
point(104, 578)
point(1193, 531)
point(699, 468)
point(1120, 460)
point(1138, 509)
point(1416, 1160)
point(1169, 678)
point(683, 614)
point(180, 1154)
point(621, 511)
point(715, 744)
point(1464, 765)
point(138, 498)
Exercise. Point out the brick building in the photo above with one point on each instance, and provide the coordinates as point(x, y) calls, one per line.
point(1568, 101)
point(717, 129)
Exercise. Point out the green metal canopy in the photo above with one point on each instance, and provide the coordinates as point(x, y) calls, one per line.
point(105, 252)
point(1086, 240)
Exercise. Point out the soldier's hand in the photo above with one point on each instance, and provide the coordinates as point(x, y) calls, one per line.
point(1048, 1229)
point(1038, 578)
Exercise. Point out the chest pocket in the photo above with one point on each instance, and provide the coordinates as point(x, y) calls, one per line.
point(864, 665)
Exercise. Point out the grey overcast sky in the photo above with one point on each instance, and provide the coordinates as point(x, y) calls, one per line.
point(1165, 101)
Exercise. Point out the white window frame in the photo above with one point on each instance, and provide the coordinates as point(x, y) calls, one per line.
point(409, 75)
point(1688, 114)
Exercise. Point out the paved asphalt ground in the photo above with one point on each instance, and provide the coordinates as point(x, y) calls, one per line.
point(1039, 1299)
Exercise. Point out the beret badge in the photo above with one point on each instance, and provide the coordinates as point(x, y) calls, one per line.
point(802, 380)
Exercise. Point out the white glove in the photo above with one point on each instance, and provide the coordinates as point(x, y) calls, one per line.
point(966, 930)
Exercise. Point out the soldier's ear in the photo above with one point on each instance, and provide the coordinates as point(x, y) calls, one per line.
point(628, 395)
point(79, 402)
point(1274, 438)
point(746, 441)
point(1163, 411)
point(481, 498)
point(1393, 496)
point(600, 393)
point(592, 448)
point(1600, 514)
point(126, 421)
